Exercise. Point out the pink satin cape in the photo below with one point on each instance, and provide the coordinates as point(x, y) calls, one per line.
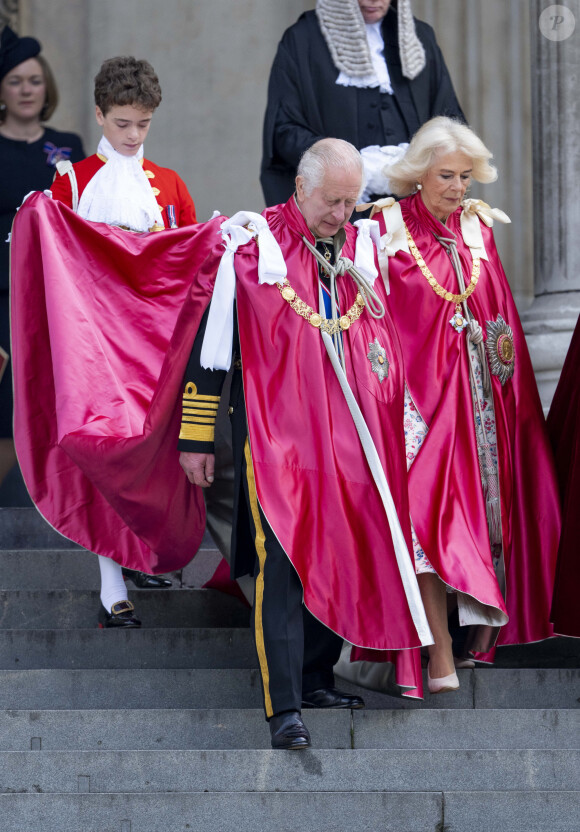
point(445, 492)
point(564, 428)
point(102, 326)
point(312, 479)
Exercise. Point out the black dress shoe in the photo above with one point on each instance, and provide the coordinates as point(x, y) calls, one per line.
point(288, 731)
point(331, 698)
point(145, 581)
point(122, 615)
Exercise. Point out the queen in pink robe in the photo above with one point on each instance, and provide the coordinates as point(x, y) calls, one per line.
point(483, 496)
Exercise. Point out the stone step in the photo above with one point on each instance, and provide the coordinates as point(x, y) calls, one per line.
point(475, 728)
point(49, 569)
point(537, 811)
point(221, 647)
point(76, 568)
point(553, 652)
point(165, 729)
point(77, 610)
point(26, 528)
point(240, 688)
point(90, 647)
point(318, 770)
point(149, 729)
point(459, 811)
point(178, 608)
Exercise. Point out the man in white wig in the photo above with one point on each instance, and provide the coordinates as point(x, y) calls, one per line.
point(361, 70)
point(321, 517)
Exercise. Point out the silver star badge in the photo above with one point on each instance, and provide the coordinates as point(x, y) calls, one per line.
point(500, 349)
point(378, 358)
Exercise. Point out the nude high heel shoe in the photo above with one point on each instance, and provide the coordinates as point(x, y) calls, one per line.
point(443, 685)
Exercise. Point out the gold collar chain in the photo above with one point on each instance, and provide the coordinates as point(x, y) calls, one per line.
point(314, 318)
point(437, 288)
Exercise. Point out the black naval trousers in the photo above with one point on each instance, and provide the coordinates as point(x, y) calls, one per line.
point(296, 652)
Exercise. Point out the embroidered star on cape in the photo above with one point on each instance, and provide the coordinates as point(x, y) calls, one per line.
point(378, 358)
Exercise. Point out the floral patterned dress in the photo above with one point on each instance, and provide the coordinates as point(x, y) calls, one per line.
point(416, 430)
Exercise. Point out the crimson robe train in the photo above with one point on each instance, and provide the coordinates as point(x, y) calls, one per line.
point(94, 309)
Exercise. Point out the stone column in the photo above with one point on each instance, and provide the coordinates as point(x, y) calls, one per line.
point(486, 46)
point(548, 324)
point(9, 14)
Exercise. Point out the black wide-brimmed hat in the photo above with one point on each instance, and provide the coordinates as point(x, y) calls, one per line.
point(15, 50)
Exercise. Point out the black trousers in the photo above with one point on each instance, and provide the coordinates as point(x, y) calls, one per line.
point(296, 653)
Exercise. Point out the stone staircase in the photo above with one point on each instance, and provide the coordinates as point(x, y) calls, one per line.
point(161, 728)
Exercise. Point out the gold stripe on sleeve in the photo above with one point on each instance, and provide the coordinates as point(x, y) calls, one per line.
point(198, 420)
point(199, 433)
point(200, 407)
point(198, 415)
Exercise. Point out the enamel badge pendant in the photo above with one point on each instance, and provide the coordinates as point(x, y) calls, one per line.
point(500, 349)
point(458, 322)
point(378, 358)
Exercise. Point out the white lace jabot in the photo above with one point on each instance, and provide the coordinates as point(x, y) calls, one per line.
point(120, 193)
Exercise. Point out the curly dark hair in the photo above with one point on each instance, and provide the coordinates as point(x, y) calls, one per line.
point(126, 80)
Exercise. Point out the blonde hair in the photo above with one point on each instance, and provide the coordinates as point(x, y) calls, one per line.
point(439, 136)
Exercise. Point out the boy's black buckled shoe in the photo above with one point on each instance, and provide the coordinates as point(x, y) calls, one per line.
point(122, 615)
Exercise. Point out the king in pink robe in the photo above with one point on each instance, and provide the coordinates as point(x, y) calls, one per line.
point(447, 504)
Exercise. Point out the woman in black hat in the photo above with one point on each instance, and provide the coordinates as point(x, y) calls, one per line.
point(29, 152)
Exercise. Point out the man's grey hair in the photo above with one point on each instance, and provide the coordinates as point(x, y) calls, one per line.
point(324, 155)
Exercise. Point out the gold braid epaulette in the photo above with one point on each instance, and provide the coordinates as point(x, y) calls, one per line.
point(314, 318)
